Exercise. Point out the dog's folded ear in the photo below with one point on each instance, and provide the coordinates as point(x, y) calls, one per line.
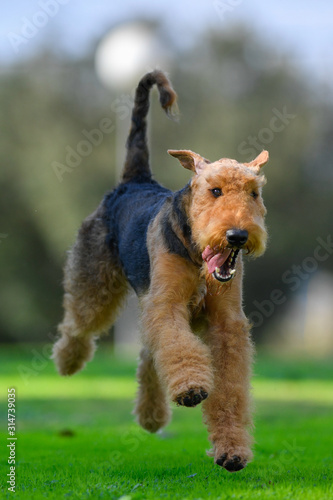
point(258, 162)
point(189, 159)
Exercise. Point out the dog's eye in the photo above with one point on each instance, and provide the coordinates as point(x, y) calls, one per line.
point(254, 194)
point(216, 192)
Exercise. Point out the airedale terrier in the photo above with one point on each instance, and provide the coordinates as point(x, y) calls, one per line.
point(182, 254)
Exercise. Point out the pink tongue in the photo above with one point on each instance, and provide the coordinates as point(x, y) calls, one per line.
point(215, 259)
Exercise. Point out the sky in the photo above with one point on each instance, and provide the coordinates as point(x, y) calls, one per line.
point(300, 28)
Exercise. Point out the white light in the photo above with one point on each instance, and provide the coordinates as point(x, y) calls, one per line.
point(126, 54)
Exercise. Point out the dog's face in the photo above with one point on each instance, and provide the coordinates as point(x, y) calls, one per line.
point(226, 210)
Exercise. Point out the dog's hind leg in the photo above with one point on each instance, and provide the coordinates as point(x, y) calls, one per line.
point(152, 408)
point(95, 288)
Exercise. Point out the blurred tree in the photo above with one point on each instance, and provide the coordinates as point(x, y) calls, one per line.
point(236, 98)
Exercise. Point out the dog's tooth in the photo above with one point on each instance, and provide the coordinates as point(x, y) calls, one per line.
point(217, 272)
point(232, 271)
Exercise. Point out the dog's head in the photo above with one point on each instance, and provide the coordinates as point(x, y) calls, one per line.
point(226, 211)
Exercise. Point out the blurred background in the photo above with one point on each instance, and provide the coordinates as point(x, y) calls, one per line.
point(249, 76)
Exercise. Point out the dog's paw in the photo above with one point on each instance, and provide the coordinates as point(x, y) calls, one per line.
point(231, 463)
point(192, 397)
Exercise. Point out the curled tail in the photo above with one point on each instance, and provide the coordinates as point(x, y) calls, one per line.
point(137, 159)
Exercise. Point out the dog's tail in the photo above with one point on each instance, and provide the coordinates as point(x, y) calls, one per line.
point(137, 159)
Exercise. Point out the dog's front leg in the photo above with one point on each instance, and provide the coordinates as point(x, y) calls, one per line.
point(227, 411)
point(182, 360)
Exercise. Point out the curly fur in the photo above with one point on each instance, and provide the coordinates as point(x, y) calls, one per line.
point(196, 338)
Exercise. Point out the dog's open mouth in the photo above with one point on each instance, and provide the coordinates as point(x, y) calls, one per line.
point(222, 265)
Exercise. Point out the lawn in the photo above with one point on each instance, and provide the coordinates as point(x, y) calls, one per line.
point(76, 437)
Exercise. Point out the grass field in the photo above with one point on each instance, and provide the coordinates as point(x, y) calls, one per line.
point(76, 437)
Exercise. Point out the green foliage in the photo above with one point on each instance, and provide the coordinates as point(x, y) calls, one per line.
point(229, 93)
point(86, 445)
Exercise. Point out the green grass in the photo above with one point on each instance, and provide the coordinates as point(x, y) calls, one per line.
point(76, 437)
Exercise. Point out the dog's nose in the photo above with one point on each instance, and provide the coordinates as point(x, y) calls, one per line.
point(237, 237)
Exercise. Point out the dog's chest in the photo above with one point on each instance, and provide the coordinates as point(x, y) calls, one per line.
point(197, 302)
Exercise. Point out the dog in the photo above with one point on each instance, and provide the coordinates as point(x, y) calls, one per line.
point(182, 254)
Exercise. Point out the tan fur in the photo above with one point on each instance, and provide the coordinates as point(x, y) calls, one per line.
point(183, 298)
point(227, 411)
point(95, 288)
point(196, 338)
point(218, 359)
point(237, 207)
point(152, 407)
point(182, 360)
